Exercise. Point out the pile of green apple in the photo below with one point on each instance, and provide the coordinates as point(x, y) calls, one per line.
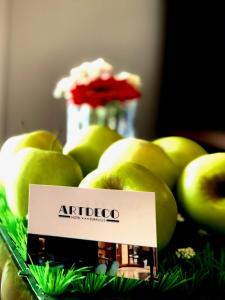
point(102, 158)
point(200, 186)
point(38, 157)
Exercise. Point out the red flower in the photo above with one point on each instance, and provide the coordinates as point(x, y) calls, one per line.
point(99, 92)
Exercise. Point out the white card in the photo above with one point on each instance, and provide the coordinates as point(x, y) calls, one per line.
point(125, 217)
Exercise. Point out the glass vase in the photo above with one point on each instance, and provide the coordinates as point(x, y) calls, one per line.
point(119, 116)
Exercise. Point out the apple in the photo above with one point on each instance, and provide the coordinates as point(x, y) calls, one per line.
point(41, 139)
point(2, 189)
point(4, 254)
point(37, 166)
point(12, 285)
point(91, 144)
point(142, 152)
point(201, 191)
point(134, 177)
point(180, 149)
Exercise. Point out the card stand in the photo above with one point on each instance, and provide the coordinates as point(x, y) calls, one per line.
point(25, 278)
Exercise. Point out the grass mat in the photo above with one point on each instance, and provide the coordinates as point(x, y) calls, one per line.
point(192, 265)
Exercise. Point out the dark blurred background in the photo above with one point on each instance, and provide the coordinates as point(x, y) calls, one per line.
point(192, 85)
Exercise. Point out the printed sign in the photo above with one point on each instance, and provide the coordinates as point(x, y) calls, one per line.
point(93, 226)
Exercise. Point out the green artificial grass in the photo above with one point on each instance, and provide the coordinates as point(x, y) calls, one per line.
point(16, 227)
point(55, 281)
point(169, 280)
point(92, 283)
point(124, 285)
point(192, 264)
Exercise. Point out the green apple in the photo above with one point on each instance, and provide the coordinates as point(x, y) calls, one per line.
point(91, 144)
point(133, 177)
point(142, 152)
point(37, 166)
point(2, 189)
point(201, 191)
point(41, 139)
point(4, 254)
point(12, 285)
point(180, 149)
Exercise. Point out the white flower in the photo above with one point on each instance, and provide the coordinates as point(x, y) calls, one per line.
point(180, 218)
point(89, 71)
point(63, 86)
point(185, 253)
point(133, 79)
point(101, 65)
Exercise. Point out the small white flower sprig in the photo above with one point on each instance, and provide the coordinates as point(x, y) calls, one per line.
point(96, 80)
point(180, 218)
point(185, 253)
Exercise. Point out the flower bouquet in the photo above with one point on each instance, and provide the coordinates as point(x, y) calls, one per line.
point(94, 94)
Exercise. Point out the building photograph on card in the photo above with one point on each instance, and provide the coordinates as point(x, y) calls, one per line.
point(130, 261)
